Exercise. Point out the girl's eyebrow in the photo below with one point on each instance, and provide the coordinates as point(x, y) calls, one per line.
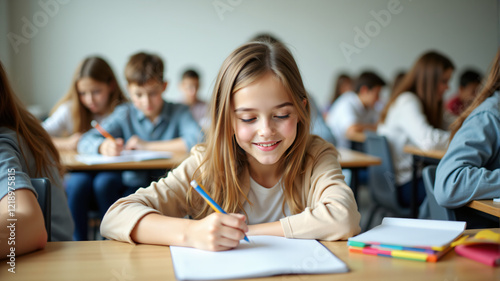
point(253, 109)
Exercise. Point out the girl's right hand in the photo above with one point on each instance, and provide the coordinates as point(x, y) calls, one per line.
point(111, 147)
point(216, 232)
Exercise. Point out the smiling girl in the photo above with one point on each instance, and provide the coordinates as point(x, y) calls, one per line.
point(259, 163)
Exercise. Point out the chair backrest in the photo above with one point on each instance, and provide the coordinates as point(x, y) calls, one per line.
point(437, 212)
point(382, 181)
point(43, 189)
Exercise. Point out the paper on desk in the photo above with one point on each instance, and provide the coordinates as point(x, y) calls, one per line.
point(264, 256)
point(412, 233)
point(126, 156)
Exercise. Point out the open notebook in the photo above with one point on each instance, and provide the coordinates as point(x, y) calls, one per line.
point(263, 256)
point(126, 156)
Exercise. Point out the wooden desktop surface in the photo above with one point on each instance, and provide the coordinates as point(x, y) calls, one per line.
point(487, 206)
point(71, 164)
point(348, 159)
point(111, 260)
point(355, 159)
point(413, 150)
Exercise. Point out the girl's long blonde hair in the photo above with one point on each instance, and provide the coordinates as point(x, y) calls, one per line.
point(423, 80)
point(491, 85)
point(97, 69)
point(224, 160)
point(16, 117)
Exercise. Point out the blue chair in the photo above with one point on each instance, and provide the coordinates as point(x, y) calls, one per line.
point(437, 212)
point(43, 189)
point(381, 181)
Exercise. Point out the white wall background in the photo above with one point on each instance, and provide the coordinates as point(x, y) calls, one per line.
point(193, 33)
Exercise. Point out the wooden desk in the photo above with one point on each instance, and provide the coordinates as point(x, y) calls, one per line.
point(355, 159)
point(111, 260)
point(433, 154)
point(69, 162)
point(420, 157)
point(488, 206)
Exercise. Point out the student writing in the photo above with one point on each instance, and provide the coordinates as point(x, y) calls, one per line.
point(148, 123)
point(259, 163)
point(26, 152)
point(94, 93)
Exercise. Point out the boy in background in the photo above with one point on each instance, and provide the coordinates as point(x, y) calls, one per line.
point(148, 123)
point(190, 83)
point(354, 111)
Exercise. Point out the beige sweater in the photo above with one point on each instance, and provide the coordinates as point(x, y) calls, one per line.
point(331, 212)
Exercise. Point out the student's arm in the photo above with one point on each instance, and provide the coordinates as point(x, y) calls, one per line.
point(331, 212)
point(216, 232)
point(91, 141)
point(155, 215)
point(270, 228)
point(175, 145)
point(470, 169)
point(28, 230)
point(15, 187)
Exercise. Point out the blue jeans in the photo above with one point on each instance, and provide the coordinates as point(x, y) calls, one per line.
point(86, 189)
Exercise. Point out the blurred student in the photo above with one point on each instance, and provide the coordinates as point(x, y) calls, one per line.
point(343, 84)
point(259, 163)
point(190, 83)
point(148, 123)
point(413, 116)
point(353, 112)
point(470, 169)
point(93, 94)
point(26, 152)
point(467, 90)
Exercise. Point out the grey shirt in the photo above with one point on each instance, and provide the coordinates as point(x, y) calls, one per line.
point(11, 158)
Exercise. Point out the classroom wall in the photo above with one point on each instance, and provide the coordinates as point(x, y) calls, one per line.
point(57, 34)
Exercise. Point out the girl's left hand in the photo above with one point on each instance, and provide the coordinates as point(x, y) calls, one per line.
point(135, 143)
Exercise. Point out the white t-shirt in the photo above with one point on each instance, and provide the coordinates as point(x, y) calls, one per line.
point(345, 112)
point(266, 203)
point(406, 124)
point(60, 123)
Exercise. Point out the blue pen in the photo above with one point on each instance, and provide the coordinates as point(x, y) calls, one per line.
point(210, 201)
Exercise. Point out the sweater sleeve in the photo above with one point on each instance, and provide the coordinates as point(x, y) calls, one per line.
point(166, 197)
point(331, 211)
point(470, 170)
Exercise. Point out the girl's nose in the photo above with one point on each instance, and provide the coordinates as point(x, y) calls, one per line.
point(266, 128)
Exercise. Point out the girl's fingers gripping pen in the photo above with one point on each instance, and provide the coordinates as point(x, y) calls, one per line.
point(210, 201)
